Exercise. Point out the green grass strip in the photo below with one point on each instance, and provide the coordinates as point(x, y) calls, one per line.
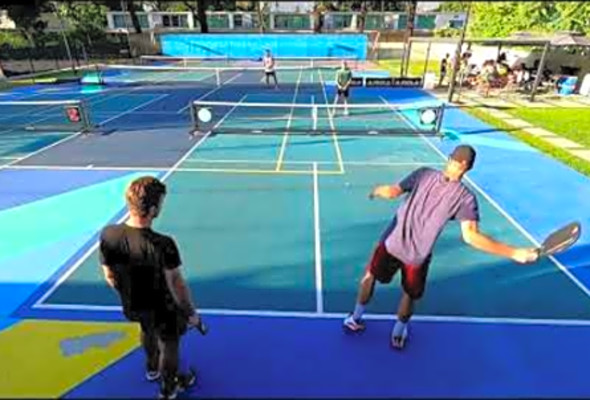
point(555, 152)
point(571, 123)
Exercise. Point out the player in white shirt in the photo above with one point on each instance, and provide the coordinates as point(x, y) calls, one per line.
point(269, 68)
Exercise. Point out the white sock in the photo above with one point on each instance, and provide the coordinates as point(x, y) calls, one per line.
point(398, 328)
point(359, 309)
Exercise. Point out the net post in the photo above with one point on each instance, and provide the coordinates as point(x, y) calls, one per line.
point(194, 119)
point(439, 120)
point(86, 124)
point(99, 74)
point(218, 76)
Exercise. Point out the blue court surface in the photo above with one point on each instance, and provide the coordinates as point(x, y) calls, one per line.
point(275, 230)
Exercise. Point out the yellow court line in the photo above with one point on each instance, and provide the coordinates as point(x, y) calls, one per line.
point(286, 136)
point(334, 136)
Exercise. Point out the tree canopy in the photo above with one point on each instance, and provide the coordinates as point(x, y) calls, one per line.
point(501, 19)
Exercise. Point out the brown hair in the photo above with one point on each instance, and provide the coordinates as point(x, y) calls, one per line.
point(143, 194)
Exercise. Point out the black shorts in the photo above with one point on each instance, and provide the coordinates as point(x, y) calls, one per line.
point(270, 73)
point(166, 325)
point(383, 266)
point(343, 92)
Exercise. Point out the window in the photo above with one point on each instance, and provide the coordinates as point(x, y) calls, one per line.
point(341, 21)
point(218, 21)
point(119, 21)
point(374, 22)
point(292, 21)
point(456, 23)
point(238, 20)
point(426, 22)
point(175, 21)
point(143, 21)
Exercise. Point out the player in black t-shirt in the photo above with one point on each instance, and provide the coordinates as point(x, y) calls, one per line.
point(143, 267)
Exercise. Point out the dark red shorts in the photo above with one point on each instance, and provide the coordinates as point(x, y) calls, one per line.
point(383, 266)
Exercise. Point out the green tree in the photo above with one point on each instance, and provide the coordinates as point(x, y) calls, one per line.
point(501, 19)
point(246, 5)
point(411, 10)
point(27, 18)
point(172, 6)
point(29, 24)
point(452, 6)
point(130, 7)
point(198, 8)
point(572, 16)
point(261, 12)
point(86, 21)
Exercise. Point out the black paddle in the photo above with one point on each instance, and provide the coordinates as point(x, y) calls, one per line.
point(561, 239)
point(202, 328)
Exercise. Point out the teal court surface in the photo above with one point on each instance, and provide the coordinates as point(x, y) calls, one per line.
point(275, 230)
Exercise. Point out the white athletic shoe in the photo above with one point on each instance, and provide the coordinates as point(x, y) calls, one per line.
point(353, 325)
point(399, 335)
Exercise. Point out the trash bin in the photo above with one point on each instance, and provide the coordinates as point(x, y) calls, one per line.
point(568, 85)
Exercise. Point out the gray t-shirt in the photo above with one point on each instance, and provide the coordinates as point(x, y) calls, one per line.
point(432, 201)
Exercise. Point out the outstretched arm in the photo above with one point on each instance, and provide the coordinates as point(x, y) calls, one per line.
point(480, 241)
point(388, 192)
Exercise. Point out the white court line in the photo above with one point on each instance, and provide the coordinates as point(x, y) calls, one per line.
point(160, 97)
point(42, 149)
point(332, 126)
point(197, 169)
point(520, 228)
point(314, 113)
point(93, 248)
point(286, 134)
point(107, 113)
point(208, 93)
point(319, 287)
point(315, 316)
point(70, 137)
point(75, 135)
point(368, 163)
point(38, 118)
point(510, 219)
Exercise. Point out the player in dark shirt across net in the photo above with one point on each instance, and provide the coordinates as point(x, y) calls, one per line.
point(143, 266)
point(433, 199)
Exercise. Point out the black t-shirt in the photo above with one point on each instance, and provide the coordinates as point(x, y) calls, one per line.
point(138, 258)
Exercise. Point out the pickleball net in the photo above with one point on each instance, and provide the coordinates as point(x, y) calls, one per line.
point(49, 115)
point(202, 76)
point(218, 117)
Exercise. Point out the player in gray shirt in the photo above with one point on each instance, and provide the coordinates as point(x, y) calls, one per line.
point(434, 198)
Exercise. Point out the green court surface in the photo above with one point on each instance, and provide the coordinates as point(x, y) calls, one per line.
point(255, 237)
